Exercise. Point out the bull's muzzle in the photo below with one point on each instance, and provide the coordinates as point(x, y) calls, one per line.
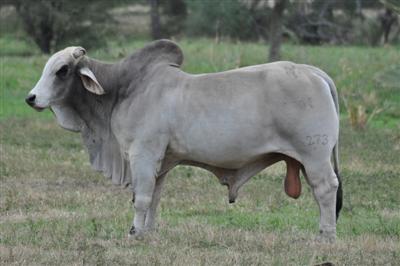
point(30, 100)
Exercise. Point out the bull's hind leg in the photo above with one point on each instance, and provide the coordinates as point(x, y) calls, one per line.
point(324, 184)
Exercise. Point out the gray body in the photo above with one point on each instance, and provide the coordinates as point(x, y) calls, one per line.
point(141, 117)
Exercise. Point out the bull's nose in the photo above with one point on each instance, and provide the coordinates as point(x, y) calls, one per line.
point(30, 99)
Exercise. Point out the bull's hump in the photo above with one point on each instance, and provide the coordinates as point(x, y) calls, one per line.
point(157, 52)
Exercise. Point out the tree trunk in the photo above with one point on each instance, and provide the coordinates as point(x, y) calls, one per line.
point(155, 19)
point(44, 40)
point(388, 18)
point(275, 32)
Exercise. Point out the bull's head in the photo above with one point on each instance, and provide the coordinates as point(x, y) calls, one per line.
point(61, 71)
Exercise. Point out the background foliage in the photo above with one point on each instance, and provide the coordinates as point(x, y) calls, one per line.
point(52, 24)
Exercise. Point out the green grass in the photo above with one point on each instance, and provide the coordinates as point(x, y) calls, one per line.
point(55, 210)
point(10, 45)
point(364, 76)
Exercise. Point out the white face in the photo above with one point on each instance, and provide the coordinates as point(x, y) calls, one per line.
point(55, 79)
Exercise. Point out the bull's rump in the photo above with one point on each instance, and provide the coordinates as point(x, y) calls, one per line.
point(230, 118)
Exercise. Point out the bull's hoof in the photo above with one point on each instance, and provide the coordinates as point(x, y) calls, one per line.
point(133, 233)
point(325, 264)
point(232, 201)
point(326, 237)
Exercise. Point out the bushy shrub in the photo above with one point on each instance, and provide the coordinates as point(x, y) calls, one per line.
point(55, 24)
point(365, 31)
point(174, 13)
point(232, 18)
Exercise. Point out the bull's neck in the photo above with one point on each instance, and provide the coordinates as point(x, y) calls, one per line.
point(95, 110)
point(107, 74)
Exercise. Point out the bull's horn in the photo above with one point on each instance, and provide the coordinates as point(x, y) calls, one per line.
point(78, 52)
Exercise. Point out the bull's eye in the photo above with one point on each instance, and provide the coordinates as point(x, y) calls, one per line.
point(62, 72)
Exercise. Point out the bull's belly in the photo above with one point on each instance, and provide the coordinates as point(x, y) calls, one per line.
point(228, 159)
point(224, 150)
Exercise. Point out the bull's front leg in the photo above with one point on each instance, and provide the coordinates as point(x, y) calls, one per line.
point(152, 211)
point(144, 166)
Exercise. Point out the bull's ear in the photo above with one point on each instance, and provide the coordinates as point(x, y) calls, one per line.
point(90, 82)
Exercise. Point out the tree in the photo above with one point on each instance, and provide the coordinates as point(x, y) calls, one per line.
point(276, 26)
point(166, 17)
point(387, 19)
point(175, 12)
point(155, 19)
point(237, 19)
point(56, 23)
point(392, 4)
point(38, 21)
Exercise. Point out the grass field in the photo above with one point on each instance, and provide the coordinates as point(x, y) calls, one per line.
point(55, 210)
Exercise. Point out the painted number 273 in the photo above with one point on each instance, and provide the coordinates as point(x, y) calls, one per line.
point(317, 139)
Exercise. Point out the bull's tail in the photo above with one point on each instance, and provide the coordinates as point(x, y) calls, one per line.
point(332, 87)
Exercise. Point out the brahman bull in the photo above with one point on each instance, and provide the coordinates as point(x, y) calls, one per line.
point(143, 115)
